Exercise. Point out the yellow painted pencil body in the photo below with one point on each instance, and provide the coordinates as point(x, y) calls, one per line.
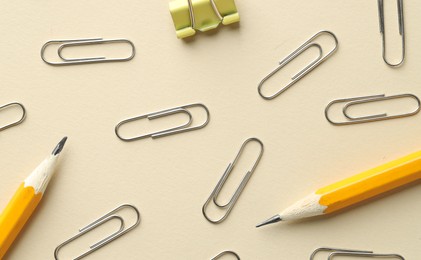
point(16, 214)
point(25, 200)
point(371, 183)
point(354, 190)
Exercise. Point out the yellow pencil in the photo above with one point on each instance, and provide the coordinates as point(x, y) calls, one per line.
point(354, 190)
point(26, 199)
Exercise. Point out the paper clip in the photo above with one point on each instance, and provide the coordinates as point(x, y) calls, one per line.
point(22, 118)
point(401, 31)
point(332, 250)
point(305, 46)
point(80, 42)
point(370, 118)
point(203, 15)
point(226, 253)
point(175, 130)
point(369, 255)
point(102, 220)
point(215, 193)
point(350, 252)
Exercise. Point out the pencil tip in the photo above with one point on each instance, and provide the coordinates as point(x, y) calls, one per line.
point(59, 146)
point(272, 220)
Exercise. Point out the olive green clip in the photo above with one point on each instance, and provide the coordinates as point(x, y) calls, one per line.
point(203, 15)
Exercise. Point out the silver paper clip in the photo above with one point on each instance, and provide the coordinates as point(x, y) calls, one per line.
point(365, 255)
point(102, 220)
point(226, 253)
point(351, 252)
point(175, 130)
point(369, 118)
point(19, 121)
point(332, 249)
point(383, 33)
point(215, 193)
point(80, 42)
point(305, 46)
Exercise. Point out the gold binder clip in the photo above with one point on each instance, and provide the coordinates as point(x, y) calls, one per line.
point(203, 15)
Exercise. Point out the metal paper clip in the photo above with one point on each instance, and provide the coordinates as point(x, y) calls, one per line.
point(22, 118)
point(226, 253)
point(215, 193)
point(175, 130)
point(368, 255)
point(203, 15)
point(401, 31)
point(79, 42)
point(102, 220)
point(307, 45)
point(370, 118)
point(330, 249)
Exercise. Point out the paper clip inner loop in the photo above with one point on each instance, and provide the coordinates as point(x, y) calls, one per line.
point(226, 253)
point(383, 32)
point(19, 121)
point(369, 118)
point(305, 46)
point(215, 193)
point(80, 42)
point(174, 130)
point(100, 221)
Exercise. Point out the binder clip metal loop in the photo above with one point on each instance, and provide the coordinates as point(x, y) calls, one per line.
point(19, 121)
point(305, 46)
point(369, 118)
point(102, 220)
point(80, 42)
point(202, 15)
point(174, 130)
point(215, 193)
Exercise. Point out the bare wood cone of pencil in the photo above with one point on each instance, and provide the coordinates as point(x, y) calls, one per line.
point(26, 199)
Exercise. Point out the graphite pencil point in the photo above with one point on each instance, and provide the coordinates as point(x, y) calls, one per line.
point(272, 220)
point(59, 146)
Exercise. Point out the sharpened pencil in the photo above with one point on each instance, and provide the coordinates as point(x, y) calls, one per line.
point(354, 190)
point(26, 199)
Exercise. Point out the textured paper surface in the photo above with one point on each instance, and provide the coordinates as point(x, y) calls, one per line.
point(169, 179)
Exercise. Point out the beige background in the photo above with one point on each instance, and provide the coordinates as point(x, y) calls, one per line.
point(169, 179)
